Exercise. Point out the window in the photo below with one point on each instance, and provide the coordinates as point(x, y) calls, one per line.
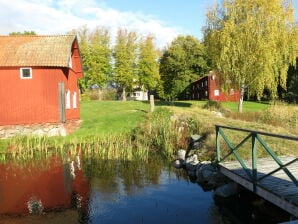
point(206, 83)
point(26, 73)
point(67, 100)
point(206, 93)
point(74, 100)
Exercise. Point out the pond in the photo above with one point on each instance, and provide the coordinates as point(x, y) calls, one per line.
point(78, 189)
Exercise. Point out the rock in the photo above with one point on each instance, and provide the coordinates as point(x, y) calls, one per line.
point(195, 141)
point(218, 114)
point(226, 190)
point(217, 180)
point(205, 173)
point(195, 138)
point(181, 154)
point(178, 163)
point(192, 162)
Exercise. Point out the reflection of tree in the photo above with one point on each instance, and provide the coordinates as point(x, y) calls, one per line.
point(109, 177)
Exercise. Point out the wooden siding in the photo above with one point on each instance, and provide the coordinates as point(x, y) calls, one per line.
point(26, 101)
point(36, 100)
point(206, 88)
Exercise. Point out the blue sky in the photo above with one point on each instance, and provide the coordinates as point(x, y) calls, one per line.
point(165, 19)
point(187, 15)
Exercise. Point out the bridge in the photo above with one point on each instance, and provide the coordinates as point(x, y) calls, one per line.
point(257, 167)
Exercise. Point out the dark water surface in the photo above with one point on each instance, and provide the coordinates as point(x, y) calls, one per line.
point(88, 190)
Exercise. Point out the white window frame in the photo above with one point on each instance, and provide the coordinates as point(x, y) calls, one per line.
point(216, 92)
point(74, 100)
point(22, 74)
point(67, 99)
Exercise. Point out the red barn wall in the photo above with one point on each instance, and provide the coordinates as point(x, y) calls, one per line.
point(206, 87)
point(28, 101)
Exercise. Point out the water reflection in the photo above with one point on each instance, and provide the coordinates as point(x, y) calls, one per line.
point(73, 183)
point(41, 186)
point(79, 189)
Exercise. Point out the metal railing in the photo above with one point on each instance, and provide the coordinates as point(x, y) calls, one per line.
point(255, 137)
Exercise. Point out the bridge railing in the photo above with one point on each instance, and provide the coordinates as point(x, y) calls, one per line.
point(255, 137)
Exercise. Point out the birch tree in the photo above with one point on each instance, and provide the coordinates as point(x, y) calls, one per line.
point(250, 42)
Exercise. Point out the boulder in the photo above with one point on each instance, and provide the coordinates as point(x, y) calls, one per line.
point(195, 141)
point(226, 190)
point(181, 154)
point(178, 163)
point(205, 172)
point(191, 162)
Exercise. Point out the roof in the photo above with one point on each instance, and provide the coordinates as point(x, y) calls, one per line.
point(36, 50)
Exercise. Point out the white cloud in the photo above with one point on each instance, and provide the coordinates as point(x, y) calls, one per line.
point(59, 17)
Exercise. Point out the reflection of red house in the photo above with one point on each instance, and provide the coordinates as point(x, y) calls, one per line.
point(38, 79)
point(54, 186)
point(208, 88)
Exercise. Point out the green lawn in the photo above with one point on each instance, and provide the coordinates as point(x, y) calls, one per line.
point(106, 117)
point(248, 106)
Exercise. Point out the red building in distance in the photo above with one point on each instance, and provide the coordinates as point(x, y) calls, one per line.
point(209, 88)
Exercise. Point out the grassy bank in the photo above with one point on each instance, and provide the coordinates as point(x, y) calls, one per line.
point(126, 129)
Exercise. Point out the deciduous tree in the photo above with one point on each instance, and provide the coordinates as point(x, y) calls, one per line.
point(125, 60)
point(251, 43)
point(182, 63)
point(148, 69)
point(25, 33)
point(96, 54)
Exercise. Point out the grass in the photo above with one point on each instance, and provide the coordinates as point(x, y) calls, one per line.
point(110, 117)
point(129, 125)
point(248, 106)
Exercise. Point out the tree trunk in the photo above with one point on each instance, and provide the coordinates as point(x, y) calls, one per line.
point(241, 98)
point(123, 94)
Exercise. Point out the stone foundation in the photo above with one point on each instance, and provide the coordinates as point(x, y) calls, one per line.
point(46, 129)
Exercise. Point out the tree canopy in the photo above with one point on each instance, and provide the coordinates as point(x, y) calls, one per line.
point(183, 62)
point(251, 43)
point(148, 68)
point(25, 33)
point(125, 60)
point(96, 51)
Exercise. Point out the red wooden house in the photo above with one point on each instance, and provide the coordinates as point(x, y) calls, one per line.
point(38, 79)
point(208, 88)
